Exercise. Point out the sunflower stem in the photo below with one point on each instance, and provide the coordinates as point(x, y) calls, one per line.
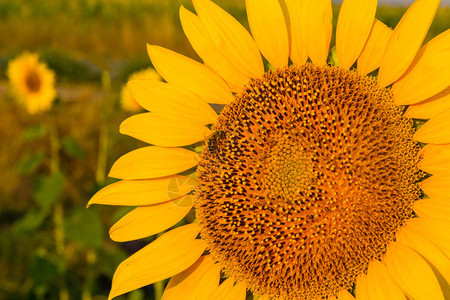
point(55, 145)
point(159, 289)
point(100, 175)
point(91, 258)
point(58, 212)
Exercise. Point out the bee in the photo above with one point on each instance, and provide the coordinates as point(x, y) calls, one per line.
point(214, 141)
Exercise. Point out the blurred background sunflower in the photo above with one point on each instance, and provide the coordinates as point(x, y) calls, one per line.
point(127, 101)
point(59, 133)
point(32, 83)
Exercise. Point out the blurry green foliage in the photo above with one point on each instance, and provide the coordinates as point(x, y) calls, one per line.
point(132, 65)
point(34, 132)
point(30, 162)
point(43, 269)
point(84, 227)
point(69, 68)
point(137, 295)
point(29, 223)
point(48, 189)
point(109, 260)
point(72, 148)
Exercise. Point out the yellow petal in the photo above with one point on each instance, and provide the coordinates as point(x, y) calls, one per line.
point(431, 107)
point(297, 50)
point(144, 192)
point(239, 291)
point(168, 255)
point(236, 43)
point(435, 230)
point(372, 53)
point(436, 186)
point(145, 221)
point(198, 282)
point(345, 295)
point(412, 273)
point(159, 96)
point(354, 24)
point(268, 28)
point(433, 208)
point(164, 129)
point(189, 74)
point(362, 292)
point(317, 25)
point(153, 162)
point(436, 159)
point(406, 40)
point(210, 54)
point(227, 291)
point(428, 250)
point(380, 285)
point(429, 71)
point(435, 130)
point(223, 290)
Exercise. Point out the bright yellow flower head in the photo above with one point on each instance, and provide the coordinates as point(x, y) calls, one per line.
point(310, 183)
point(127, 100)
point(33, 83)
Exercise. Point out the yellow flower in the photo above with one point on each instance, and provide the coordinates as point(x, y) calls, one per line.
point(127, 100)
point(307, 185)
point(33, 84)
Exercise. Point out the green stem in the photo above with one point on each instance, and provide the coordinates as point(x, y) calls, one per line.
point(91, 258)
point(100, 175)
point(55, 145)
point(58, 212)
point(159, 289)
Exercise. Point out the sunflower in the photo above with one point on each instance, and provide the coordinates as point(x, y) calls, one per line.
point(313, 182)
point(32, 82)
point(127, 100)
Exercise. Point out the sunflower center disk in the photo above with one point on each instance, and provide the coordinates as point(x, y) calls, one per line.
point(308, 176)
point(288, 169)
point(32, 81)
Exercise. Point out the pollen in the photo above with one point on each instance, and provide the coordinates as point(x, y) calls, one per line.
point(307, 177)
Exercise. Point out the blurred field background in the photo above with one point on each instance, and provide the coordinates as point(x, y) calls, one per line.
point(93, 46)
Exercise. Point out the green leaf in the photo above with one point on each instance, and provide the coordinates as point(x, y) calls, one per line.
point(30, 223)
point(34, 133)
point(43, 270)
point(30, 163)
point(72, 148)
point(121, 211)
point(109, 259)
point(84, 228)
point(48, 189)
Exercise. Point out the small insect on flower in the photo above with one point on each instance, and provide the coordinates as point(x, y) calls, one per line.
point(32, 82)
point(213, 141)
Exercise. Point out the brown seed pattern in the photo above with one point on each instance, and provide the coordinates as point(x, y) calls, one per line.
point(33, 81)
point(308, 176)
